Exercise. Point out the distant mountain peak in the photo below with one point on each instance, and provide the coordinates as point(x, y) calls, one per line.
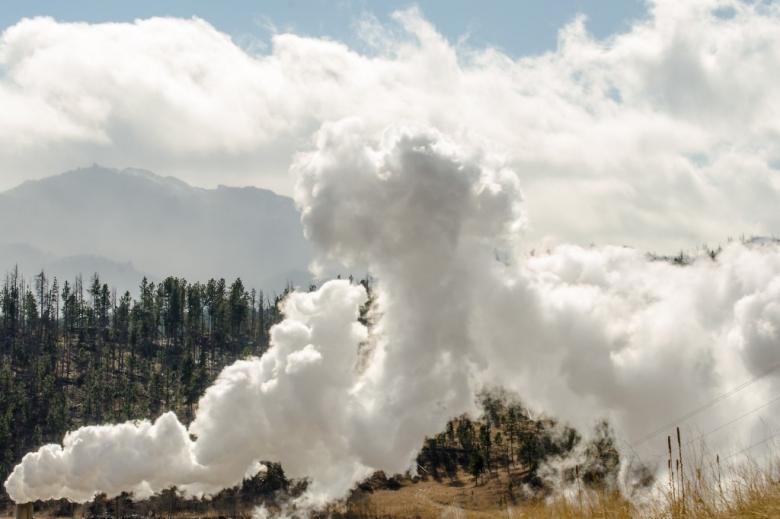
point(96, 173)
point(154, 177)
point(145, 174)
point(100, 173)
point(161, 224)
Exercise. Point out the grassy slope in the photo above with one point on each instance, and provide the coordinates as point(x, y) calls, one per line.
point(759, 498)
point(433, 500)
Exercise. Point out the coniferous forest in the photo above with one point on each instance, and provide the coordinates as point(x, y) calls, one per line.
point(77, 353)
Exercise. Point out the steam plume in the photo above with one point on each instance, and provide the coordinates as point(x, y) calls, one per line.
point(580, 332)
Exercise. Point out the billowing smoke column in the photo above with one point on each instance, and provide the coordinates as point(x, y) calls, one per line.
point(581, 333)
point(419, 212)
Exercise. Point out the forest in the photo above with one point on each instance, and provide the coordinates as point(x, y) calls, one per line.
point(76, 353)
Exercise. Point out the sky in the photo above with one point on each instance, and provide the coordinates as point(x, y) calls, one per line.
point(651, 125)
point(519, 28)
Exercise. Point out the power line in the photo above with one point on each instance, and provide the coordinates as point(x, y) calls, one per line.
point(740, 417)
point(708, 405)
point(775, 435)
point(730, 422)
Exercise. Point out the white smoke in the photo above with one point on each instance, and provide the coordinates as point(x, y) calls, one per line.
point(581, 333)
point(291, 401)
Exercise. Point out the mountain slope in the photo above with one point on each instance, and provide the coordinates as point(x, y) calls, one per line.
point(30, 261)
point(159, 224)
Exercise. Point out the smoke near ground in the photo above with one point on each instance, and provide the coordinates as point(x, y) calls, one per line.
point(580, 332)
point(249, 413)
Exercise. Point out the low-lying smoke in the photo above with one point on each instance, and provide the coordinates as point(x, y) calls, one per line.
point(581, 333)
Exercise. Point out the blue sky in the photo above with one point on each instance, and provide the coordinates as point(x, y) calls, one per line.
point(518, 27)
point(638, 137)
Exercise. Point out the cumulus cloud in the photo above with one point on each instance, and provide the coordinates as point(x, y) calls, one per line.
point(579, 332)
point(657, 137)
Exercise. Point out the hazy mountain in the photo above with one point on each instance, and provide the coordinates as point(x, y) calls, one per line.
point(30, 261)
point(131, 221)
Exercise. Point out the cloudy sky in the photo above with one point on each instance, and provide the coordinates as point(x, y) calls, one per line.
point(518, 28)
point(426, 145)
point(653, 125)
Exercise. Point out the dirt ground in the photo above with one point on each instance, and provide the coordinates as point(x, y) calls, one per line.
point(444, 499)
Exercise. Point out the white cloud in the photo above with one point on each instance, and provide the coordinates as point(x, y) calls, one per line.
point(657, 137)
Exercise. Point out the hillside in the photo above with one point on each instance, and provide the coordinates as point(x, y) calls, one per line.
point(91, 361)
point(31, 260)
point(133, 220)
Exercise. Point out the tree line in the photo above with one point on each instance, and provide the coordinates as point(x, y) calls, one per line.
point(509, 444)
point(77, 353)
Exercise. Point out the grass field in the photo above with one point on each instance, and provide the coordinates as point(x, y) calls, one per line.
point(750, 490)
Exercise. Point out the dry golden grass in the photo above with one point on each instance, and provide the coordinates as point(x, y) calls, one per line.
point(429, 503)
point(705, 490)
point(748, 491)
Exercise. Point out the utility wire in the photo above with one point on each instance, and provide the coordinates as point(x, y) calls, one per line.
point(708, 405)
point(724, 425)
point(775, 435)
point(740, 417)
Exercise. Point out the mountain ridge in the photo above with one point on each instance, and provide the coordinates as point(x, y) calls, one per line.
point(160, 225)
